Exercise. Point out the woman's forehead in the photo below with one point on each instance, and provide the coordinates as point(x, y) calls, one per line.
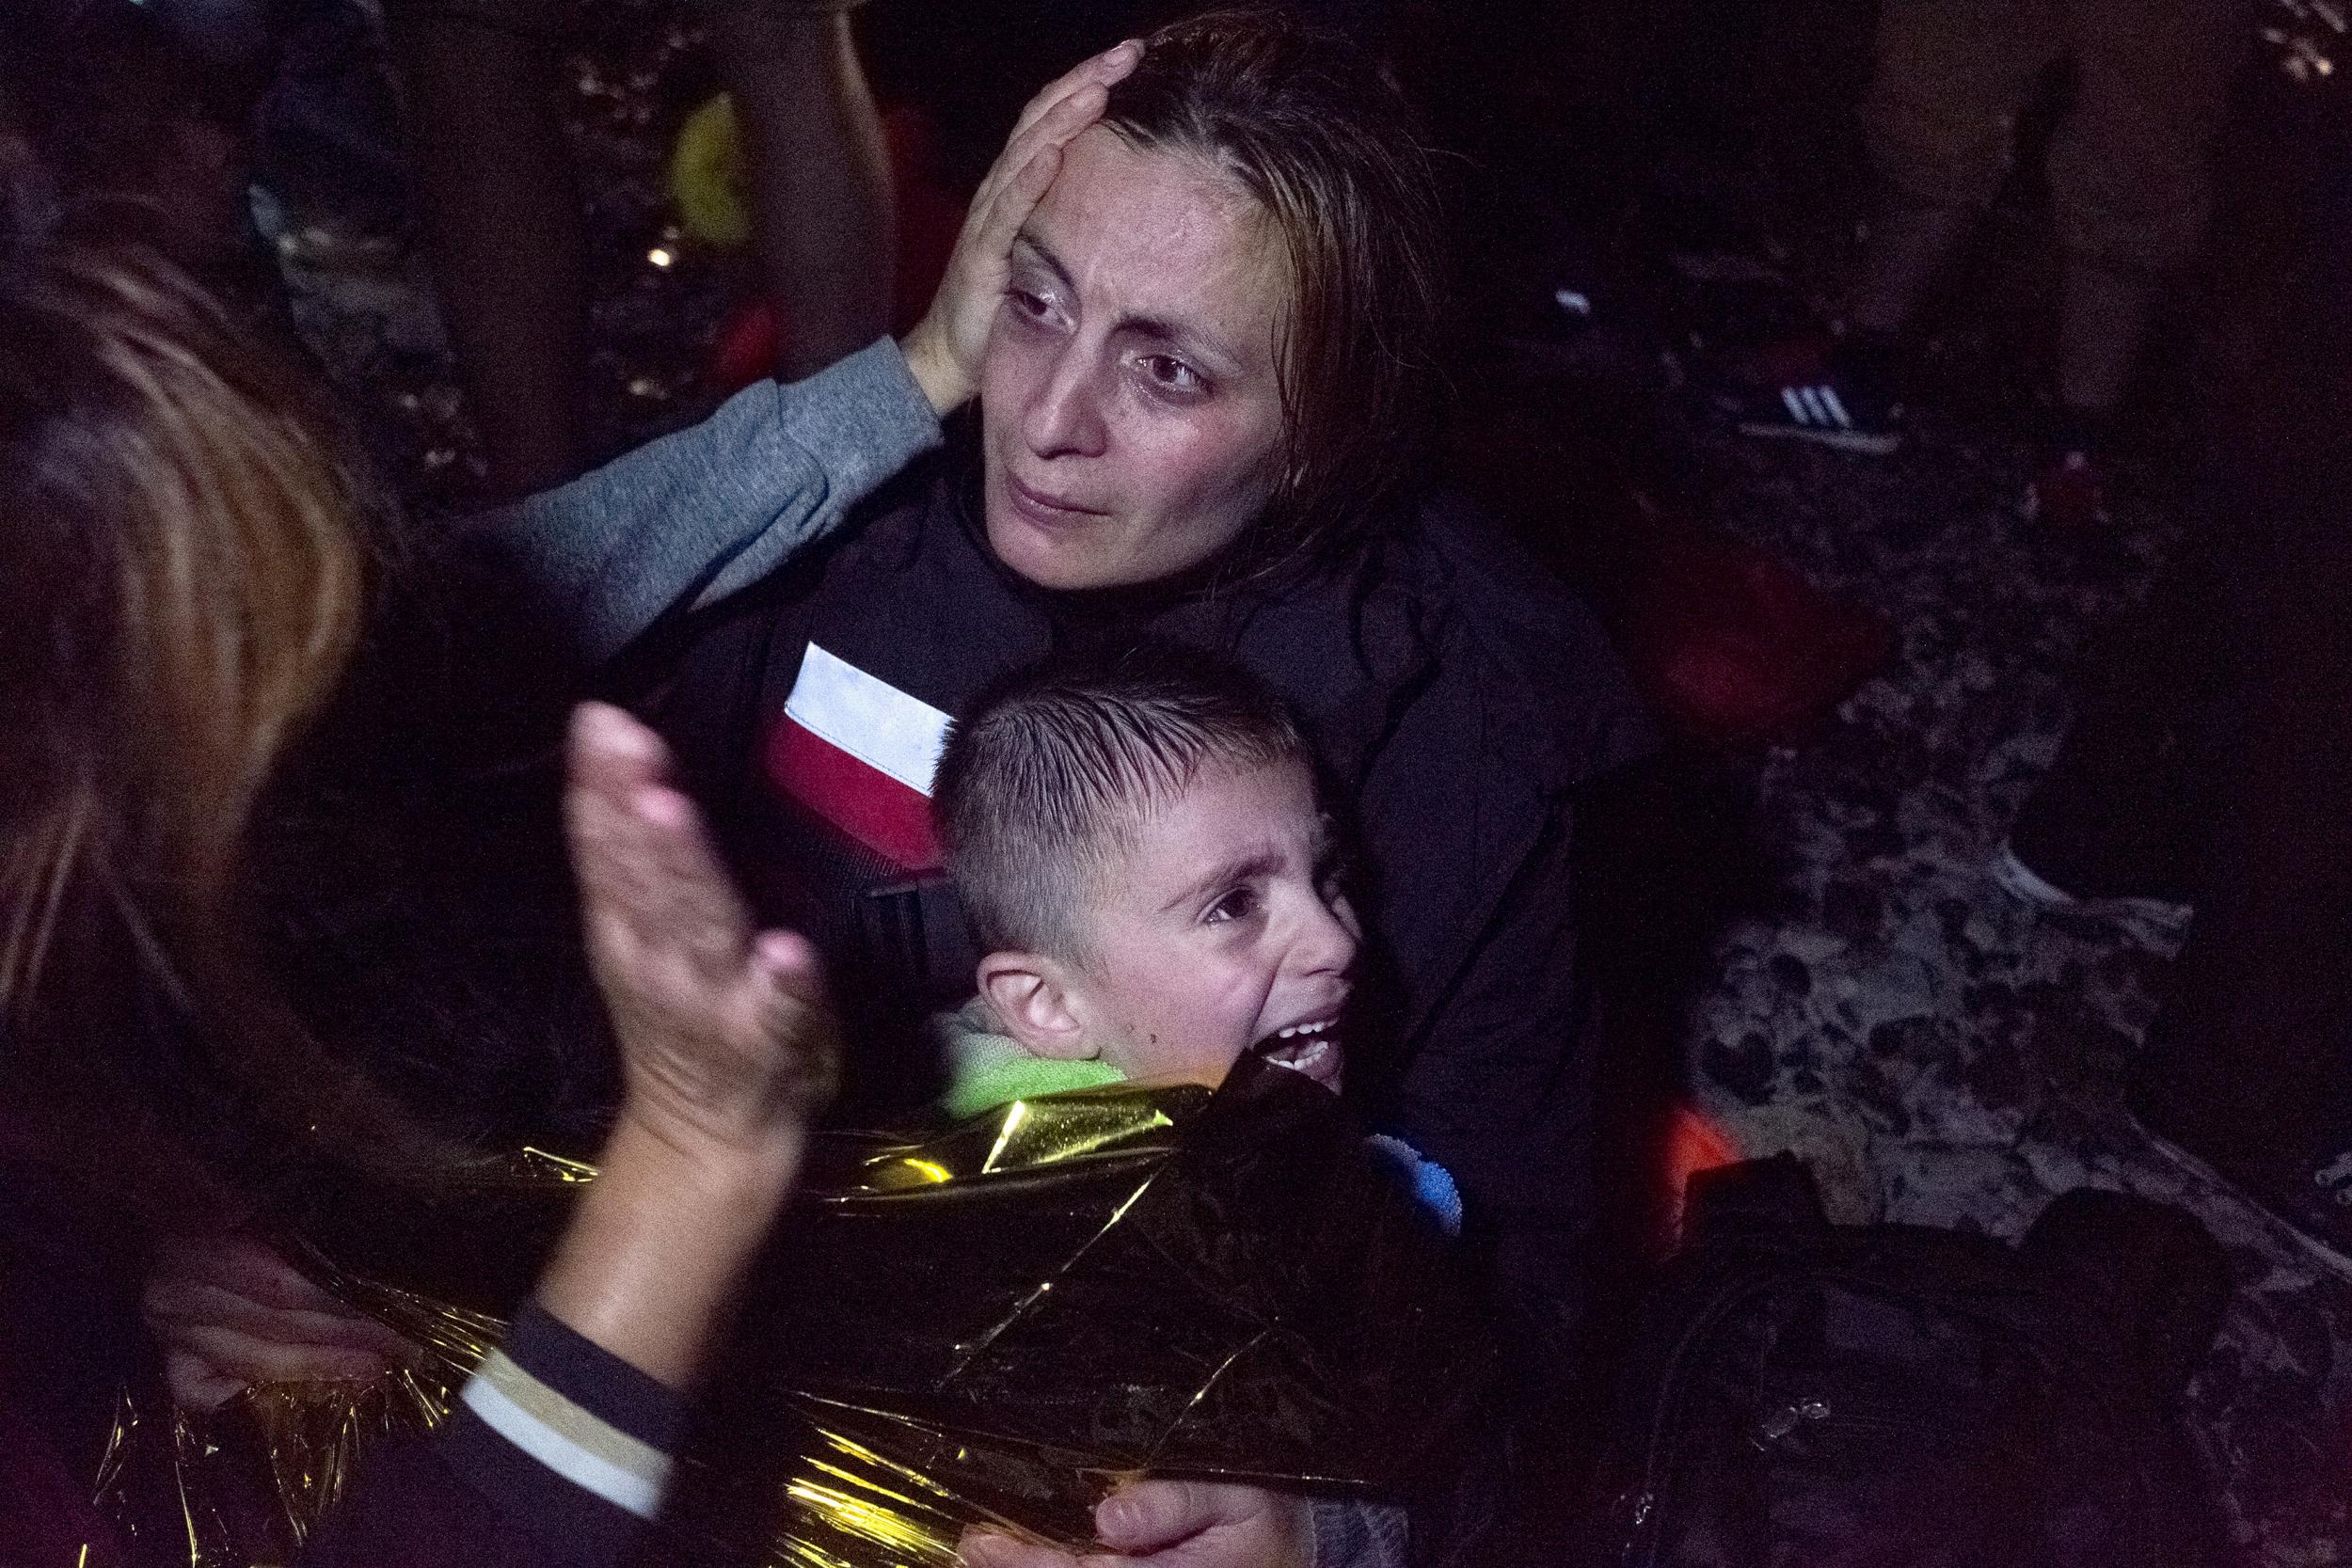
point(1162, 233)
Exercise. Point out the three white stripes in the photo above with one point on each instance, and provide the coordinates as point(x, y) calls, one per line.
point(1820, 405)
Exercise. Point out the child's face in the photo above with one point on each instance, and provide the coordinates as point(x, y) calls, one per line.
point(1220, 929)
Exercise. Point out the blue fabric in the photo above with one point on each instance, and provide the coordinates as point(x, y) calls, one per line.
point(1432, 1184)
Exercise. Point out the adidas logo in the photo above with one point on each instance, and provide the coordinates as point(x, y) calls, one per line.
point(1817, 405)
point(1816, 411)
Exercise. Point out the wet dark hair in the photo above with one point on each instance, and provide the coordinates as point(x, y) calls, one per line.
point(1307, 124)
point(1041, 788)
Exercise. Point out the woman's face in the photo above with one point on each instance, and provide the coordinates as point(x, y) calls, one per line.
point(1130, 417)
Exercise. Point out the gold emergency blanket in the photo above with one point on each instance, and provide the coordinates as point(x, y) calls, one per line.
point(989, 1326)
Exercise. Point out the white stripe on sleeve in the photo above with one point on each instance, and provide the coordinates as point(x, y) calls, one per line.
point(566, 1439)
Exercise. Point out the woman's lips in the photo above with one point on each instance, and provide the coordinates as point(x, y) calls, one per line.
point(1045, 510)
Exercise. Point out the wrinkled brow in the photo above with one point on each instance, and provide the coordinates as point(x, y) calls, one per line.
point(1192, 337)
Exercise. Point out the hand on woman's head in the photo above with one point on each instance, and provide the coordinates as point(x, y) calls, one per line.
point(726, 1040)
point(945, 348)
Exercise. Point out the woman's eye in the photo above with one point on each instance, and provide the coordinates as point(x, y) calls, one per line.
point(1035, 306)
point(1240, 904)
point(1171, 374)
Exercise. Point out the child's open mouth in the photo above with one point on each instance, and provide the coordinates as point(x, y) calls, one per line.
point(1313, 1048)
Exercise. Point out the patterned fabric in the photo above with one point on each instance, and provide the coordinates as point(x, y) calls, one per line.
point(566, 1437)
point(1941, 1052)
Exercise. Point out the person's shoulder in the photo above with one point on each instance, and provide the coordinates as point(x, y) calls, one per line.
point(905, 521)
point(1508, 631)
point(1513, 604)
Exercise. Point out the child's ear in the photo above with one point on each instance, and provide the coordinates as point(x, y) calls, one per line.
point(1029, 994)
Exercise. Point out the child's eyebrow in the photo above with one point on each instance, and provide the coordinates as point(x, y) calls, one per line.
point(1263, 862)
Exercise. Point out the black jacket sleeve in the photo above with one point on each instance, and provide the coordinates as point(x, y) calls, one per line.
point(1498, 1091)
point(555, 1456)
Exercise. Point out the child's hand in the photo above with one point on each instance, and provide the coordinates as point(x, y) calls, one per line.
point(1172, 1524)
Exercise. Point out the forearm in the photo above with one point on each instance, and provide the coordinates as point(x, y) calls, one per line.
point(818, 175)
point(560, 1449)
point(651, 1262)
point(689, 519)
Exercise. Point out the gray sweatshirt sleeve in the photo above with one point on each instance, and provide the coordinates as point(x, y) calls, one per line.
point(688, 519)
point(1358, 1535)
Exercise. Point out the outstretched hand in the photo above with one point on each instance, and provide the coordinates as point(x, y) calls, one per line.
point(728, 1052)
point(946, 345)
point(1172, 1524)
point(727, 1041)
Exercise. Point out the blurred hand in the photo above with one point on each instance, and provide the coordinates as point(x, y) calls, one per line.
point(728, 1052)
point(1172, 1524)
point(727, 1046)
point(231, 1313)
point(946, 345)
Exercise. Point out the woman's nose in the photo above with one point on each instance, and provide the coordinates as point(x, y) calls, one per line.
point(1065, 417)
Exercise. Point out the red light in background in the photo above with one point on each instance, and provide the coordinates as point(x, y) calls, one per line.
point(1692, 1144)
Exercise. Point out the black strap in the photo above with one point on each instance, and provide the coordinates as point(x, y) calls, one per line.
point(916, 937)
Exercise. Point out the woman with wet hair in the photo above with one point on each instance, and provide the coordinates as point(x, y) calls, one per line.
point(182, 580)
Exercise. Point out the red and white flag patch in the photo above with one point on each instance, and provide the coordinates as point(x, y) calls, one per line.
point(860, 753)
